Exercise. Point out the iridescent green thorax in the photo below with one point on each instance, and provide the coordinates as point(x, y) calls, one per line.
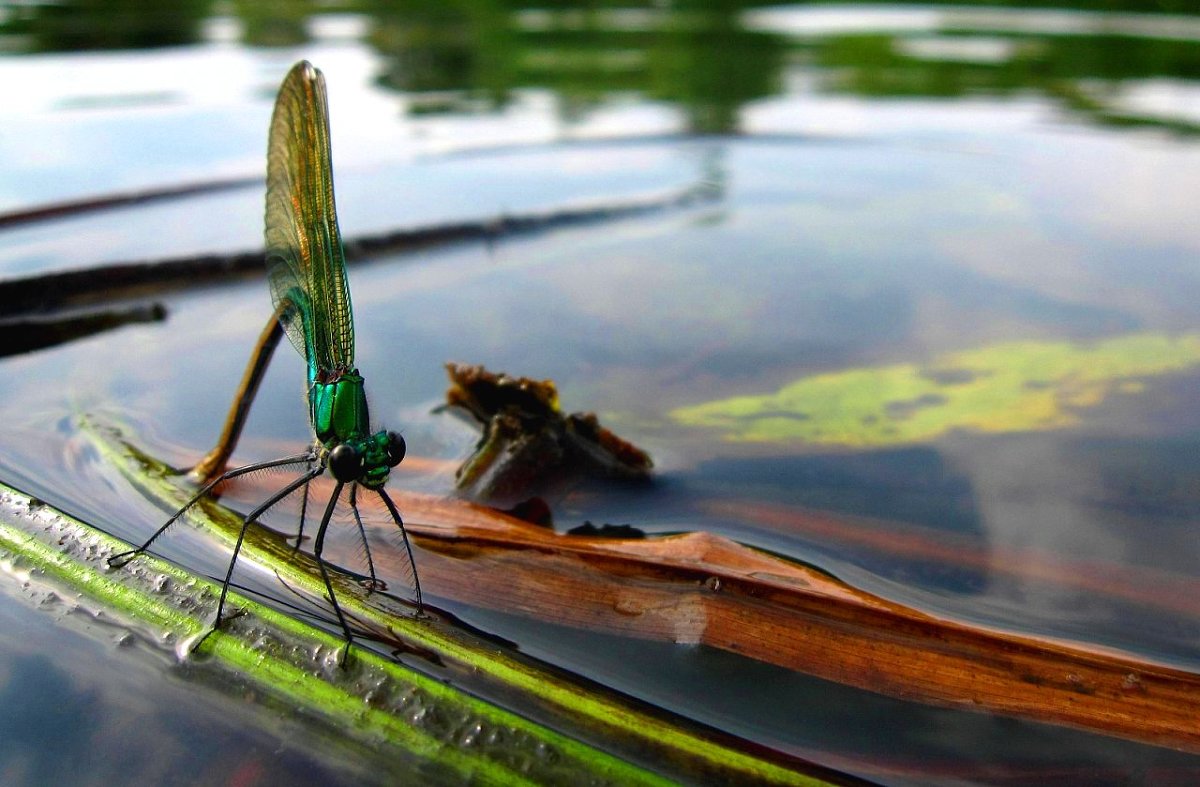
point(338, 405)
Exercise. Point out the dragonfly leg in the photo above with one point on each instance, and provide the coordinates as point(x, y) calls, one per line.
point(252, 516)
point(216, 459)
point(375, 584)
point(303, 509)
point(118, 560)
point(407, 546)
point(318, 548)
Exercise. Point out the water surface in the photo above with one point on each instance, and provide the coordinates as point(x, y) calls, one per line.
point(943, 288)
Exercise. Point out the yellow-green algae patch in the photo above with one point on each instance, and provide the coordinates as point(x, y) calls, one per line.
point(1009, 387)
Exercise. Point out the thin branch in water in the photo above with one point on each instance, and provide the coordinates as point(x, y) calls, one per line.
point(25, 335)
point(68, 208)
point(52, 291)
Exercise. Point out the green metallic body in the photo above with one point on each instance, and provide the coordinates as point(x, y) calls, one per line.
point(339, 409)
point(307, 271)
point(306, 268)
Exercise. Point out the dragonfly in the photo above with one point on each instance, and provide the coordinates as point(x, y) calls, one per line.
point(306, 269)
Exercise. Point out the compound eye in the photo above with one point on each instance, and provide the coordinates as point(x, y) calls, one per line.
point(345, 462)
point(396, 449)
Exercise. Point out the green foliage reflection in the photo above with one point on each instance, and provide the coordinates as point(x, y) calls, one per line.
point(1010, 387)
point(107, 24)
point(703, 58)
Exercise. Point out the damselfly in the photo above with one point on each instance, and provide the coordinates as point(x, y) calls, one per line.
point(307, 272)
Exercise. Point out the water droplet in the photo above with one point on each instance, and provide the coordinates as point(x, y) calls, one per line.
point(18, 573)
point(185, 645)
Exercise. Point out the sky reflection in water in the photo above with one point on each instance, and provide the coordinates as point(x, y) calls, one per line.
point(905, 185)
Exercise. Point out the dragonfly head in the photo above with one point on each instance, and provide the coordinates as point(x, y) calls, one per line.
point(367, 461)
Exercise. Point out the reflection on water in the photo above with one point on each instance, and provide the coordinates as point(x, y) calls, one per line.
point(710, 60)
point(115, 24)
point(1013, 387)
point(82, 708)
point(934, 332)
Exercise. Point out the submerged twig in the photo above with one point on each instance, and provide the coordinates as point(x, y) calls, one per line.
point(121, 280)
point(25, 335)
point(68, 208)
point(700, 588)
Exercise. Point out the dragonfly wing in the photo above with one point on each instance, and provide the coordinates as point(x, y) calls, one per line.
point(305, 263)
